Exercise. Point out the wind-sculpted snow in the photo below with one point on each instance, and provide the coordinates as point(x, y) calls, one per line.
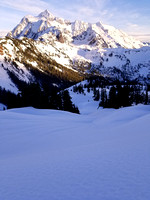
point(47, 154)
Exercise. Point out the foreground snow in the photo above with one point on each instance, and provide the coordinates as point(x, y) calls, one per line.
point(2, 107)
point(46, 154)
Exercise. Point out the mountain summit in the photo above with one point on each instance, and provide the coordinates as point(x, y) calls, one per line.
point(46, 14)
point(47, 27)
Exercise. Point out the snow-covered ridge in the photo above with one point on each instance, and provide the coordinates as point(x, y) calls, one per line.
point(117, 63)
point(46, 25)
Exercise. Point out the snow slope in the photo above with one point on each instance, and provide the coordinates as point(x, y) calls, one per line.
point(47, 154)
point(5, 81)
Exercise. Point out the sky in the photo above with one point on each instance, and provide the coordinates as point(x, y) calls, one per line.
point(131, 16)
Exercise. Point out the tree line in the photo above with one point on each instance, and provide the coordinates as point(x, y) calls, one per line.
point(123, 96)
point(114, 94)
point(33, 95)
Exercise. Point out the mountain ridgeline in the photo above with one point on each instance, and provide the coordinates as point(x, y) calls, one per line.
point(53, 54)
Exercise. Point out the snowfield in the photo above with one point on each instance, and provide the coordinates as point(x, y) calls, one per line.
point(56, 155)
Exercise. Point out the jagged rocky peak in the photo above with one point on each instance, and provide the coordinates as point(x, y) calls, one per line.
point(46, 27)
point(46, 14)
point(99, 23)
point(78, 27)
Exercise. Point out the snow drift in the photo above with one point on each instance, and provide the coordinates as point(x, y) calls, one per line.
point(47, 154)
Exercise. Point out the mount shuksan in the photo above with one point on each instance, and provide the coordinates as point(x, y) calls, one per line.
point(62, 51)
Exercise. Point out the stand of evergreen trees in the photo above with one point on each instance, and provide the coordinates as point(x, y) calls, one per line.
point(122, 96)
point(32, 95)
point(115, 94)
point(109, 94)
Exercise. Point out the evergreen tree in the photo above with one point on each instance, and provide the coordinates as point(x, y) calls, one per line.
point(67, 104)
point(137, 95)
point(123, 96)
point(32, 96)
point(112, 101)
point(55, 100)
point(88, 89)
point(103, 101)
point(146, 97)
point(96, 95)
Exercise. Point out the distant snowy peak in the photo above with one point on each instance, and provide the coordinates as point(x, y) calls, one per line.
point(46, 14)
point(119, 37)
point(47, 27)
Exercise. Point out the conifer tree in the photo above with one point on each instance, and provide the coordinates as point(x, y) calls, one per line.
point(103, 101)
point(146, 97)
point(67, 104)
point(112, 101)
point(96, 95)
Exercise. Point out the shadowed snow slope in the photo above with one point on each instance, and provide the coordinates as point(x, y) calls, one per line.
point(46, 154)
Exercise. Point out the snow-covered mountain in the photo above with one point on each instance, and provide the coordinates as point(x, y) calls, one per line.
point(46, 26)
point(54, 47)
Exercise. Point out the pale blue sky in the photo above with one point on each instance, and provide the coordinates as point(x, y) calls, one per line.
point(132, 16)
